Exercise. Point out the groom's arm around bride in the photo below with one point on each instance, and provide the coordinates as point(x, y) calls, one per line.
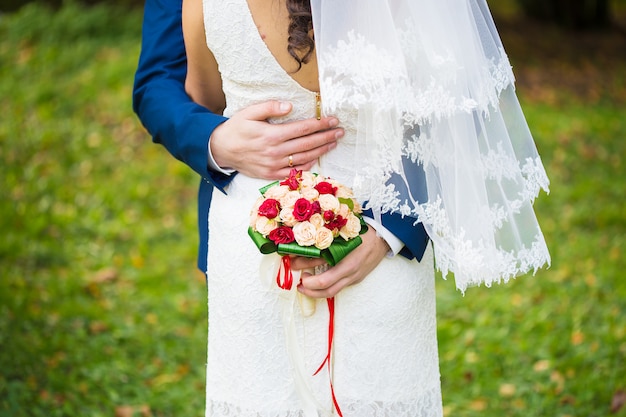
point(244, 143)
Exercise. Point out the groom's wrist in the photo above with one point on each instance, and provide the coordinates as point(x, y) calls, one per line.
point(395, 244)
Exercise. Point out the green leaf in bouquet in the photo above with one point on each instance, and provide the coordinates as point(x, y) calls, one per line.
point(348, 202)
point(339, 249)
point(263, 190)
point(265, 245)
point(294, 249)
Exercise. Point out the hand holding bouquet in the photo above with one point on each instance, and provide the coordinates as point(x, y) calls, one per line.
point(306, 215)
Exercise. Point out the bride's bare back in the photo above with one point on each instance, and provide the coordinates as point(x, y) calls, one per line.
point(204, 83)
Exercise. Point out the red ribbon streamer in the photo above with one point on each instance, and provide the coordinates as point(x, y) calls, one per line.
point(287, 279)
point(327, 361)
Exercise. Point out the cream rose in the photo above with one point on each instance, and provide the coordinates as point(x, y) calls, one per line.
point(323, 238)
point(351, 229)
point(305, 234)
point(289, 199)
point(277, 192)
point(344, 211)
point(254, 213)
point(265, 226)
point(308, 179)
point(343, 191)
point(286, 216)
point(329, 202)
point(309, 193)
point(317, 220)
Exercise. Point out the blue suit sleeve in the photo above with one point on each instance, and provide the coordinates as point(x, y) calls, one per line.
point(159, 96)
point(413, 235)
point(406, 228)
point(165, 109)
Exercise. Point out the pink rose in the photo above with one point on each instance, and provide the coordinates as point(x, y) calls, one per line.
point(269, 208)
point(302, 210)
point(281, 234)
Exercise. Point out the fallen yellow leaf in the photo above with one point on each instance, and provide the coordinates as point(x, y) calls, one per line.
point(479, 404)
point(577, 338)
point(507, 390)
point(542, 365)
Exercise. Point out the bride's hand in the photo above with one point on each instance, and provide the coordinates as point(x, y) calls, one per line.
point(351, 270)
point(249, 144)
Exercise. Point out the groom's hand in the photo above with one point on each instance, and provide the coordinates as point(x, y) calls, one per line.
point(249, 144)
point(351, 270)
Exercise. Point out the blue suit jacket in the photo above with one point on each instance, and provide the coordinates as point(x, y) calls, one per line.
point(184, 128)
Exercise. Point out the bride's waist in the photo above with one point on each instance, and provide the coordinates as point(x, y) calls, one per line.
point(337, 164)
point(245, 187)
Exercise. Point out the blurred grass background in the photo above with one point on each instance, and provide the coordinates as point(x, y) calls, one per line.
point(102, 312)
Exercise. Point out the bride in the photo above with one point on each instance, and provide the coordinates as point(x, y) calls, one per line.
point(432, 132)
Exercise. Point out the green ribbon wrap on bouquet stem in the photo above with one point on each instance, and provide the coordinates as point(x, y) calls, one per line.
point(332, 255)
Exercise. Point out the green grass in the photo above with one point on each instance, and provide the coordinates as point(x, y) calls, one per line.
point(553, 344)
point(101, 307)
point(100, 304)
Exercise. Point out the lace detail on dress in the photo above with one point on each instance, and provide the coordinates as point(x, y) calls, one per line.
point(426, 406)
point(385, 350)
point(385, 346)
point(223, 409)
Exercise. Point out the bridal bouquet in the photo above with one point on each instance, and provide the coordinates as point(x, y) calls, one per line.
point(308, 215)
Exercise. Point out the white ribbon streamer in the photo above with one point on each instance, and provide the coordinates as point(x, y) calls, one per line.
point(269, 267)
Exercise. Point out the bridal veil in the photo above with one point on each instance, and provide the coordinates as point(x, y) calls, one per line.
point(441, 135)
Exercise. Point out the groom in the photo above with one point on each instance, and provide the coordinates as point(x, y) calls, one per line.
point(217, 148)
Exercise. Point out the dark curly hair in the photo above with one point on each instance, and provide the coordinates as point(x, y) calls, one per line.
point(301, 44)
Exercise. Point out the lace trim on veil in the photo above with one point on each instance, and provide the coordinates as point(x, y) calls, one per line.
point(441, 136)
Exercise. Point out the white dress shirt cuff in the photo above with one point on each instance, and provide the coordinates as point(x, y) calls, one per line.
point(394, 243)
point(213, 165)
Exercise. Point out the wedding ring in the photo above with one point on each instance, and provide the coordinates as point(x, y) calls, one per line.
point(290, 161)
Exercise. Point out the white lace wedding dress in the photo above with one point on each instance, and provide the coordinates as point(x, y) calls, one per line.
point(385, 360)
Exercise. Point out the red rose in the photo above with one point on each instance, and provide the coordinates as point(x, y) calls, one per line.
point(269, 208)
point(293, 180)
point(315, 207)
point(302, 210)
point(337, 223)
point(282, 234)
point(325, 188)
point(329, 215)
